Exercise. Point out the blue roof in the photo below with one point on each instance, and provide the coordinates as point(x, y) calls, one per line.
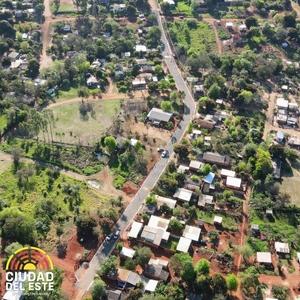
point(209, 178)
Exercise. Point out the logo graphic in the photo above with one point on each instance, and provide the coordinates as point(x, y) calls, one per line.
point(29, 259)
point(29, 271)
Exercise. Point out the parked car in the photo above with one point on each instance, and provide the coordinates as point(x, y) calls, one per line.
point(165, 154)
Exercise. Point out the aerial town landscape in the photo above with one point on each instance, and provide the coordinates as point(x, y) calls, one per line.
point(150, 149)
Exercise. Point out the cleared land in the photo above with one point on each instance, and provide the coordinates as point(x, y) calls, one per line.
point(198, 39)
point(71, 127)
point(290, 184)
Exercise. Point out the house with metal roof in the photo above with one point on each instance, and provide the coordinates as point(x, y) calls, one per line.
point(158, 116)
point(183, 195)
point(184, 245)
point(192, 233)
point(216, 158)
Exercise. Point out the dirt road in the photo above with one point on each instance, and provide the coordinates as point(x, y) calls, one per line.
point(218, 41)
point(46, 60)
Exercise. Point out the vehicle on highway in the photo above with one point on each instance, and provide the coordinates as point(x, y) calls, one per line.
point(165, 154)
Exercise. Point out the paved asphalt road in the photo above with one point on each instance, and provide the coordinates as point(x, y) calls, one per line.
point(86, 279)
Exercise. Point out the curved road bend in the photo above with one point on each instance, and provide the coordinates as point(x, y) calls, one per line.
point(86, 277)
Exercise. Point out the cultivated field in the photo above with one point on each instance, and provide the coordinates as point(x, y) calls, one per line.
point(72, 127)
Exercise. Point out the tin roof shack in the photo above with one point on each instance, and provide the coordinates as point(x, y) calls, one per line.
point(234, 183)
point(206, 201)
point(128, 278)
point(218, 222)
point(294, 142)
point(282, 249)
point(195, 165)
point(139, 84)
point(215, 158)
point(227, 173)
point(156, 272)
point(264, 258)
point(159, 117)
point(183, 195)
point(255, 231)
point(171, 203)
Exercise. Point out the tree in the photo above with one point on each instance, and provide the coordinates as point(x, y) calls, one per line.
point(85, 226)
point(251, 22)
point(232, 282)
point(214, 91)
point(219, 284)
point(131, 12)
point(110, 143)
point(56, 4)
point(143, 255)
point(166, 106)
point(280, 292)
point(98, 289)
point(166, 8)
point(202, 266)
point(263, 165)
point(182, 150)
point(7, 30)
point(176, 226)
point(109, 267)
point(246, 252)
point(33, 68)
point(153, 37)
point(251, 287)
point(178, 261)
point(17, 226)
point(16, 154)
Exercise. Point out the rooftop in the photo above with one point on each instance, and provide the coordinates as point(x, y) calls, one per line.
point(165, 201)
point(195, 164)
point(282, 247)
point(218, 219)
point(183, 194)
point(158, 114)
point(226, 173)
point(192, 233)
point(264, 257)
point(136, 228)
point(233, 182)
point(158, 222)
point(128, 252)
point(209, 178)
point(184, 245)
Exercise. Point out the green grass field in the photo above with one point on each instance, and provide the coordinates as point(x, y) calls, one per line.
point(196, 40)
point(184, 8)
point(64, 8)
point(70, 127)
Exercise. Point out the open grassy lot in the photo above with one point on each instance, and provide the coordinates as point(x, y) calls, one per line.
point(291, 182)
point(196, 39)
point(66, 6)
point(72, 127)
